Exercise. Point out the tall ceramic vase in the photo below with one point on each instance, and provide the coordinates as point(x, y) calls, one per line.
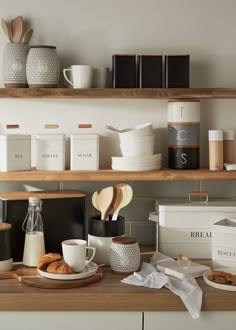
point(43, 67)
point(14, 65)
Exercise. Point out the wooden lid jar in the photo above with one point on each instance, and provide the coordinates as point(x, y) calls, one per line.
point(124, 255)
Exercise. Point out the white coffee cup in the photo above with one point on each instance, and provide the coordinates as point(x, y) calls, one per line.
point(74, 253)
point(82, 76)
point(100, 77)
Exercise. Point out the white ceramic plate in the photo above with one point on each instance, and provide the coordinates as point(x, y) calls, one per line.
point(217, 285)
point(89, 270)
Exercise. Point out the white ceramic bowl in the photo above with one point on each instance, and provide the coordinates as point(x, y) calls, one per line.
point(136, 139)
point(138, 130)
point(137, 149)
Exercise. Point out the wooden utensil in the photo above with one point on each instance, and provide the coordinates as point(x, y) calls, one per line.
point(127, 194)
point(6, 30)
point(27, 35)
point(45, 283)
point(95, 201)
point(104, 201)
point(17, 29)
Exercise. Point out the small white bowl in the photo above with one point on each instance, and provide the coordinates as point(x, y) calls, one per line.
point(138, 130)
point(136, 138)
point(137, 149)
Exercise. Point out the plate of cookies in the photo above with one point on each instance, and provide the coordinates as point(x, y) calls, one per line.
point(52, 266)
point(221, 278)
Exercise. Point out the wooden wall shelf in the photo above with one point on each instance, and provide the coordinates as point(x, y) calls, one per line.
point(111, 175)
point(119, 93)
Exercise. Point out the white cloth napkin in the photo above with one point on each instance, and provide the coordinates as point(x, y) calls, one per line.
point(187, 289)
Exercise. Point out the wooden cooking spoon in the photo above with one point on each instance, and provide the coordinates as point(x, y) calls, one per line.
point(104, 200)
point(127, 194)
point(17, 29)
point(27, 35)
point(6, 30)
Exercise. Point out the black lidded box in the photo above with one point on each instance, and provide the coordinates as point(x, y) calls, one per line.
point(63, 215)
point(124, 71)
point(177, 71)
point(150, 71)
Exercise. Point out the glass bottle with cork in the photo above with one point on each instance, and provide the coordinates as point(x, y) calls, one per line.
point(34, 246)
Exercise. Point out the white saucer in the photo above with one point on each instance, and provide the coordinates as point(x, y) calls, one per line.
point(89, 270)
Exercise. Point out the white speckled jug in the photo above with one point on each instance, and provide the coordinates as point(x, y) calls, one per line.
point(124, 255)
point(14, 65)
point(43, 67)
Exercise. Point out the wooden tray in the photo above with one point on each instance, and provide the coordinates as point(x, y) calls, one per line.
point(30, 277)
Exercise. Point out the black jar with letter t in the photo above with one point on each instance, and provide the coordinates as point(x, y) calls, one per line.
point(150, 73)
point(124, 72)
point(177, 71)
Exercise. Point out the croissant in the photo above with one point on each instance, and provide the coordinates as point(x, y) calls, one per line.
point(60, 267)
point(48, 258)
point(53, 266)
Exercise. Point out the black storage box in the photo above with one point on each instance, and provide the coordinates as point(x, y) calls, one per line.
point(177, 71)
point(63, 215)
point(150, 71)
point(124, 71)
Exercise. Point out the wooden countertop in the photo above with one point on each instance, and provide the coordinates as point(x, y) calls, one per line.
point(107, 295)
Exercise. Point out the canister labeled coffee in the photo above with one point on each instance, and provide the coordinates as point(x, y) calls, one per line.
point(184, 134)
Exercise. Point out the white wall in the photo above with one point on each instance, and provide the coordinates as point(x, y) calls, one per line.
point(89, 32)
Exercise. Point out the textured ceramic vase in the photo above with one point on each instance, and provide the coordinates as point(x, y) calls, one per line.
point(124, 255)
point(14, 65)
point(42, 67)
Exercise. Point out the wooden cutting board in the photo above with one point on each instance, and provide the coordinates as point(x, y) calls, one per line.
point(30, 277)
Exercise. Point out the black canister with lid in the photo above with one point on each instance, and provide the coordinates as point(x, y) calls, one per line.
point(5, 247)
point(124, 72)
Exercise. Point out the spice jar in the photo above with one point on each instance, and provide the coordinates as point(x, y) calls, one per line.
point(228, 145)
point(215, 150)
point(124, 255)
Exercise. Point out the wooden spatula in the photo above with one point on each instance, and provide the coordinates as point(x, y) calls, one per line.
point(27, 35)
point(17, 29)
point(6, 30)
point(127, 194)
point(95, 200)
point(104, 201)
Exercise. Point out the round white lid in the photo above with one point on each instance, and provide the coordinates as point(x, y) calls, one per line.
point(215, 135)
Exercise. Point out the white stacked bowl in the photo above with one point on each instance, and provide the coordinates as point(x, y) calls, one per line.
point(137, 141)
point(137, 146)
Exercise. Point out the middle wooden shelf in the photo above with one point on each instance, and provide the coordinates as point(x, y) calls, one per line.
point(112, 175)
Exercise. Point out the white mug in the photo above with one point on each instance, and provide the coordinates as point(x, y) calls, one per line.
point(81, 75)
point(74, 253)
point(100, 77)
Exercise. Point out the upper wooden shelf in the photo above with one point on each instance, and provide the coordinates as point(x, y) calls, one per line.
point(119, 93)
point(111, 175)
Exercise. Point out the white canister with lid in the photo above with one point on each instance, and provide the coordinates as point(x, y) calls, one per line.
point(124, 255)
point(15, 152)
point(184, 111)
point(50, 152)
point(84, 153)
